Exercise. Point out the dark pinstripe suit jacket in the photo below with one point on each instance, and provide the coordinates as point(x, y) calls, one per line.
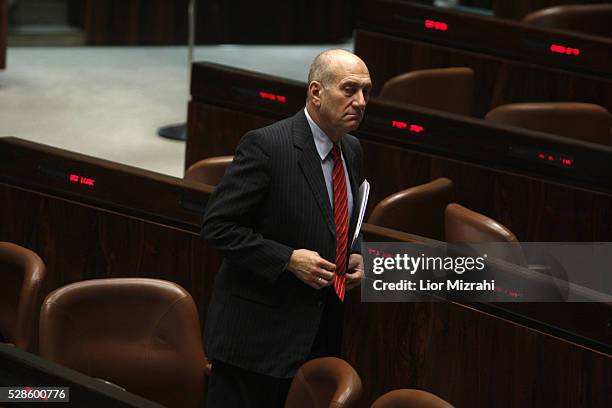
point(271, 200)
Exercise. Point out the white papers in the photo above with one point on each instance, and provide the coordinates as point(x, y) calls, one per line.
point(364, 192)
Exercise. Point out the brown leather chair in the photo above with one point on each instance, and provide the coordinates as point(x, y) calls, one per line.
point(325, 382)
point(21, 276)
point(140, 334)
point(209, 171)
point(595, 19)
point(405, 398)
point(466, 226)
point(417, 210)
point(446, 89)
point(581, 121)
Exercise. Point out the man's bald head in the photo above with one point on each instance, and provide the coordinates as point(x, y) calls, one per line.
point(338, 90)
point(325, 66)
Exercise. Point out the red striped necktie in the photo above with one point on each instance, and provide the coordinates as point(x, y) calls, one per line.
point(341, 221)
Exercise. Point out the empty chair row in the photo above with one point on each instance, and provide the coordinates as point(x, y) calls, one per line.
point(451, 90)
point(144, 335)
point(428, 210)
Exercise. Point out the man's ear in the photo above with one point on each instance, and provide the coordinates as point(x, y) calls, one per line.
point(314, 92)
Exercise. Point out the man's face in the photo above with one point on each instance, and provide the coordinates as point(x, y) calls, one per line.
point(342, 102)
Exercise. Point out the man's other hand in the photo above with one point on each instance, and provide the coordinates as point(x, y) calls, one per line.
point(354, 271)
point(311, 269)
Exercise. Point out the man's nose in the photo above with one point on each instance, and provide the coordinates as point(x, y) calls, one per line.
point(360, 99)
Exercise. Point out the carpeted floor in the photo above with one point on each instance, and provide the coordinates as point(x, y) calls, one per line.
point(108, 102)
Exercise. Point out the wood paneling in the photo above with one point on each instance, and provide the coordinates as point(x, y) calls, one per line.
point(164, 22)
point(78, 241)
point(219, 134)
point(474, 356)
point(466, 356)
point(512, 61)
point(130, 222)
point(533, 208)
point(470, 358)
point(537, 202)
point(497, 81)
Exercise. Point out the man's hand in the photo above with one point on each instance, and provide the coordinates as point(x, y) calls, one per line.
point(354, 271)
point(311, 269)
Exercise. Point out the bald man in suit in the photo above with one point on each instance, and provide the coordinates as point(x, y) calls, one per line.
point(283, 217)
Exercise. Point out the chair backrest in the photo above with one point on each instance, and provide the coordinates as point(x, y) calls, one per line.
point(141, 334)
point(580, 121)
point(446, 89)
point(466, 226)
point(406, 398)
point(21, 276)
point(417, 210)
point(586, 18)
point(325, 382)
point(209, 171)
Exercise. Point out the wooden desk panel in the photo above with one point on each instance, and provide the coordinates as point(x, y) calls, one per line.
point(470, 358)
point(485, 35)
point(129, 222)
point(533, 208)
point(475, 355)
point(220, 133)
point(464, 355)
point(498, 81)
point(78, 242)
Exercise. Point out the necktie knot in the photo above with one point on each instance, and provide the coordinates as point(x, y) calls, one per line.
point(335, 152)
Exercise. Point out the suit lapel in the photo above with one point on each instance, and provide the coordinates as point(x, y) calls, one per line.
point(310, 164)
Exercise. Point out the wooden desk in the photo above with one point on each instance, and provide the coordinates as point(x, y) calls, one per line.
point(471, 356)
point(496, 170)
point(465, 355)
point(89, 218)
point(512, 62)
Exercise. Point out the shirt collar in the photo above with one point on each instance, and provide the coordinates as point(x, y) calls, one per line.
point(322, 142)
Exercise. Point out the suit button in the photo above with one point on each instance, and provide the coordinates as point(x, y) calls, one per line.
point(320, 303)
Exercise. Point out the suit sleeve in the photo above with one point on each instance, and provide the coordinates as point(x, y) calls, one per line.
point(233, 207)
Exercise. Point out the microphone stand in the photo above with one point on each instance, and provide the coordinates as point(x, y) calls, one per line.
point(178, 131)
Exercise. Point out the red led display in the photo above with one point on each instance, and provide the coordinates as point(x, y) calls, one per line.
point(399, 125)
point(436, 25)
point(548, 157)
point(560, 49)
point(75, 178)
point(403, 125)
point(272, 97)
point(416, 128)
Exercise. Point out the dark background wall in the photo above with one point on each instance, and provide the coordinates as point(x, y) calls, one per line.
point(164, 22)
